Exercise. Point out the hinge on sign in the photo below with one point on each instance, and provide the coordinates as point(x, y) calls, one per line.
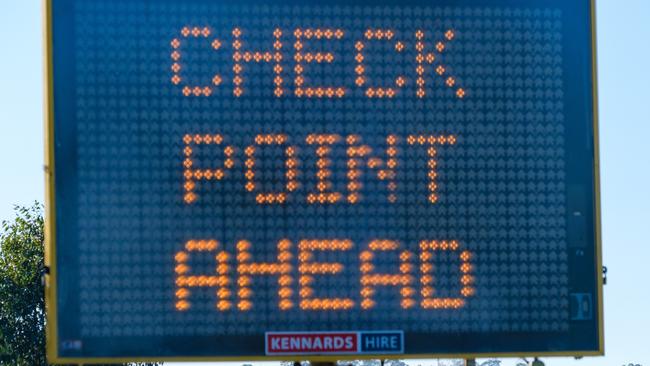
point(604, 275)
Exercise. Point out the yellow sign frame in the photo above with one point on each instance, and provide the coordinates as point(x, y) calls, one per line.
point(50, 241)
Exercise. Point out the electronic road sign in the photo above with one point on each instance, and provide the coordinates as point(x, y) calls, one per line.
point(287, 179)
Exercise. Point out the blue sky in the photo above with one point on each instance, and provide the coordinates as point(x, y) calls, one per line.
point(624, 74)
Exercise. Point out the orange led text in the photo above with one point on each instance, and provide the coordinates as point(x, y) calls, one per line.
point(233, 277)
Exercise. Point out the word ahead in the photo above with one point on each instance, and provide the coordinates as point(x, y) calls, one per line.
point(403, 280)
point(425, 62)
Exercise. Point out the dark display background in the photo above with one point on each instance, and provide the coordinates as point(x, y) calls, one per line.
point(516, 189)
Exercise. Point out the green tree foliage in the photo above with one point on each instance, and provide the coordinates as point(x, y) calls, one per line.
point(22, 318)
point(22, 304)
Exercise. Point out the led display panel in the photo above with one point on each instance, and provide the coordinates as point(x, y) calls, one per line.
point(296, 179)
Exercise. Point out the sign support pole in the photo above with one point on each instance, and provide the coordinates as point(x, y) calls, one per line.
point(320, 363)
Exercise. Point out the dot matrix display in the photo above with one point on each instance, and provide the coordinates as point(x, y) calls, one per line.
point(229, 169)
